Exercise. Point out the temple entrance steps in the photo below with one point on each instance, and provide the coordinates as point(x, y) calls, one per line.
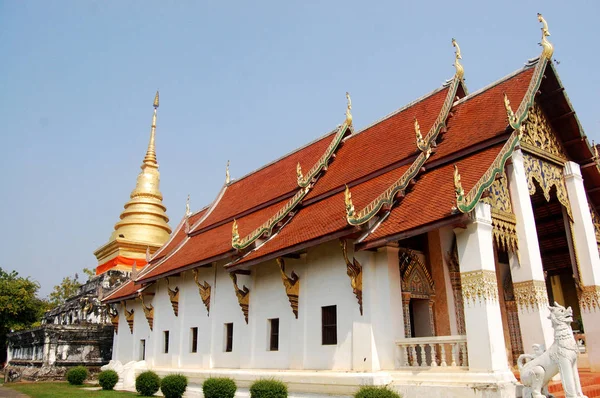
point(590, 385)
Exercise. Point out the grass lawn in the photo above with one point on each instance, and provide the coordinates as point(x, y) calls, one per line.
point(60, 390)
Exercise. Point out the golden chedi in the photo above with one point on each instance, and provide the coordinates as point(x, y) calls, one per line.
point(143, 227)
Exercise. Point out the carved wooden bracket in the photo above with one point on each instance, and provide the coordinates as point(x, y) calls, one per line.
point(243, 295)
point(292, 286)
point(113, 313)
point(148, 311)
point(174, 297)
point(204, 290)
point(354, 271)
point(128, 317)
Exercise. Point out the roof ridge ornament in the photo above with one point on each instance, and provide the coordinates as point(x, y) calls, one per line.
point(235, 235)
point(512, 118)
point(188, 212)
point(348, 110)
point(227, 175)
point(299, 174)
point(547, 47)
point(458, 188)
point(460, 71)
point(350, 211)
point(421, 144)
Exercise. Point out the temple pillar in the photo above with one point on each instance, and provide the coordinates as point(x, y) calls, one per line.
point(382, 306)
point(586, 250)
point(526, 268)
point(483, 321)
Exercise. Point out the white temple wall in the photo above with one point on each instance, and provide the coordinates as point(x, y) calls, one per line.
point(268, 300)
point(123, 342)
point(164, 320)
point(141, 329)
point(193, 313)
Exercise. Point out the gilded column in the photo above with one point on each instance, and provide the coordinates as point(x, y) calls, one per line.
point(483, 320)
point(586, 249)
point(526, 268)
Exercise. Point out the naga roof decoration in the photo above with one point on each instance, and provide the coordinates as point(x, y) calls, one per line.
point(466, 202)
point(386, 199)
point(304, 182)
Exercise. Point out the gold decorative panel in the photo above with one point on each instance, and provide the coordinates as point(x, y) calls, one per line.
point(292, 286)
point(243, 296)
point(539, 138)
point(415, 278)
point(128, 317)
point(173, 297)
point(503, 219)
point(479, 286)
point(530, 295)
point(148, 312)
point(595, 221)
point(589, 298)
point(114, 317)
point(204, 289)
point(354, 271)
point(547, 175)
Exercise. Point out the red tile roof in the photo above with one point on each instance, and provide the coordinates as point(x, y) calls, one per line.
point(178, 236)
point(386, 149)
point(125, 290)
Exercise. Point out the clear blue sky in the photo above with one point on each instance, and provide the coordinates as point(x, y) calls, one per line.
point(245, 81)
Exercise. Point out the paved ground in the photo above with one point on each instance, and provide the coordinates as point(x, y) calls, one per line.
point(10, 393)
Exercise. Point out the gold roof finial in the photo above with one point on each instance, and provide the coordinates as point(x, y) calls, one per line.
point(458, 189)
point(348, 110)
point(595, 149)
point(460, 71)
point(512, 118)
point(350, 212)
point(547, 47)
point(235, 235)
point(187, 206)
point(299, 174)
point(227, 176)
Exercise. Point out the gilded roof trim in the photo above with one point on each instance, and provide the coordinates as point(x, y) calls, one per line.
point(305, 183)
point(386, 198)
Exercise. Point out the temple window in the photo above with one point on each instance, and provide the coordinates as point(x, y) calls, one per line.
point(194, 339)
point(329, 325)
point(228, 337)
point(166, 342)
point(142, 349)
point(274, 334)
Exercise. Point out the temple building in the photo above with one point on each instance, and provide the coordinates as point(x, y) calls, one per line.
point(422, 251)
point(80, 330)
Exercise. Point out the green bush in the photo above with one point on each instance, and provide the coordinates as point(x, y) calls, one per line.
point(108, 379)
point(147, 383)
point(268, 389)
point(219, 387)
point(77, 375)
point(173, 386)
point(376, 392)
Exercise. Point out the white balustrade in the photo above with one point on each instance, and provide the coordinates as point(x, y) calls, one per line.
point(434, 351)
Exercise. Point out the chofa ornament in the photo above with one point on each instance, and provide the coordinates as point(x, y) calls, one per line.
point(560, 357)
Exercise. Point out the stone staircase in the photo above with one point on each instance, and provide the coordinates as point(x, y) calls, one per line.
point(590, 385)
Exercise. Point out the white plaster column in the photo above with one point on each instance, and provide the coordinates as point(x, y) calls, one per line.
point(526, 269)
point(586, 249)
point(483, 321)
point(382, 306)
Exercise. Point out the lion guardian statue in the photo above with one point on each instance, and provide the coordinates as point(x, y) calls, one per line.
point(560, 357)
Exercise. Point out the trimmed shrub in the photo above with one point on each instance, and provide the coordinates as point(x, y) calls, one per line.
point(268, 389)
point(147, 383)
point(219, 387)
point(376, 392)
point(108, 379)
point(173, 386)
point(77, 375)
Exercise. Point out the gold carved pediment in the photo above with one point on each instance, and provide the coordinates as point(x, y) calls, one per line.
point(503, 218)
point(539, 137)
point(547, 175)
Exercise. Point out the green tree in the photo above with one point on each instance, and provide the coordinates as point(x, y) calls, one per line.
point(90, 272)
point(20, 307)
point(67, 288)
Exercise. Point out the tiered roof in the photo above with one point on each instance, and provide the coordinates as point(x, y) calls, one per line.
point(379, 185)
